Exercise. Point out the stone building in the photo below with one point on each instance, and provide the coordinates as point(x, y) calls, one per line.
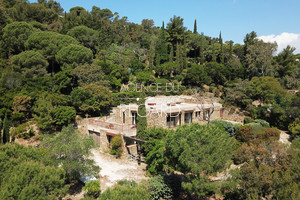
point(169, 112)
point(166, 112)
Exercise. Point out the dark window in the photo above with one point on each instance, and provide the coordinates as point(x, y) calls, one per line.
point(134, 117)
point(124, 117)
point(171, 120)
point(206, 114)
point(179, 118)
point(188, 117)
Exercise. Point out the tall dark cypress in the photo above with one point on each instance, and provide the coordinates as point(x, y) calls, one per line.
point(179, 58)
point(6, 136)
point(161, 48)
point(195, 27)
point(221, 49)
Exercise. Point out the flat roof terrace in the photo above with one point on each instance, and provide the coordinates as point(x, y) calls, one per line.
point(128, 130)
point(170, 107)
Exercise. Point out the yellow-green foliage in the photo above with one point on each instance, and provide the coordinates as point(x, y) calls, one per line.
point(92, 188)
point(116, 146)
point(126, 190)
point(294, 128)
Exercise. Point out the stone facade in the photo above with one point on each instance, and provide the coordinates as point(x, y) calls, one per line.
point(169, 112)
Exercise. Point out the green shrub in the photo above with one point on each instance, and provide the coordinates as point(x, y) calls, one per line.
point(272, 133)
point(116, 146)
point(294, 128)
point(126, 192)
point(255, 133)
point(258, 112)
point(229, 127)
point(257, 127)
point(248, 120)
point(246, 102)
point(18, 117)
point(127, 183)
point(159, 189)
point(244, 133)
point(211, 88)
point(92, 188)
point(262, 122)
point(187, 92)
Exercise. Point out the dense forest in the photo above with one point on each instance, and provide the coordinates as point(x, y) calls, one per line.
point(58, 66)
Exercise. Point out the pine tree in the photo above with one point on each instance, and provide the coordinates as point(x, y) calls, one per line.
point(6, 136)
point(195, 27)
point(221, 49)
point(141, 117)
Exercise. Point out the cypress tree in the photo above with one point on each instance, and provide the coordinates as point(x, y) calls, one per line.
point(161, 49)
point(221, 49)
point(141, 117)
point(6, 136)
point(195, 27)
point(179, 58)
point(171, 56)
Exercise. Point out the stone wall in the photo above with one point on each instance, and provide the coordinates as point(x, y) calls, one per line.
point(159, 119)
point(156, 119)
point(233, 114)
point(119, 115)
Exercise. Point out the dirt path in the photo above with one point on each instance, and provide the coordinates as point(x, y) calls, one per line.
point(113, 170)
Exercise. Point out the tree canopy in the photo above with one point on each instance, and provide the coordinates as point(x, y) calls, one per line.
point(27, 173)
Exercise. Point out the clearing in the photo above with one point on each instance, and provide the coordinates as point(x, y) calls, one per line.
point(113, 170)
